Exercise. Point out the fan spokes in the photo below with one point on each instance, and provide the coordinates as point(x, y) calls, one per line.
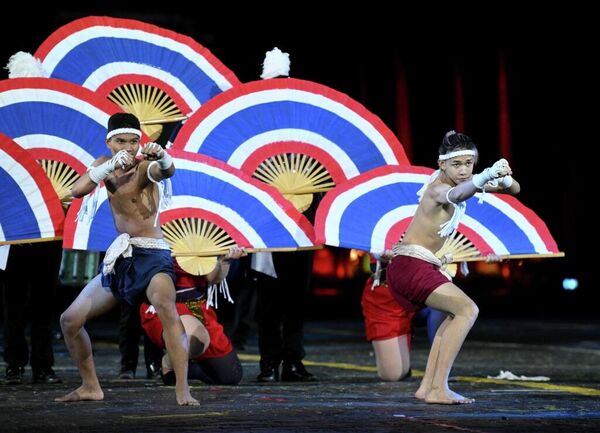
point(187, 235)
point(296, 176)
point(62, 177)
point(151, 105)
point(459, 247)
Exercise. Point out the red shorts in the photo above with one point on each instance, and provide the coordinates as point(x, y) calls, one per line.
point(412, 280)
point(384, 317)
point(219, 343)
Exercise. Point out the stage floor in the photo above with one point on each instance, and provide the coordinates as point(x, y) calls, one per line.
point(348, 396)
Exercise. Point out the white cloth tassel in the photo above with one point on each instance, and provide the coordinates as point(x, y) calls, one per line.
point(210, 294)
point(377, 275)
point(449, 226)
point(213, 294)
point(89, 206)
point(165, 193)
point(464, 268)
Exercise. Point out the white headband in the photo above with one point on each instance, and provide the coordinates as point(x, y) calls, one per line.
point(123, 131)
point(457, 153)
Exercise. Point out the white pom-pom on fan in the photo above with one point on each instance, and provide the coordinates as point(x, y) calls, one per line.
point(22, 64)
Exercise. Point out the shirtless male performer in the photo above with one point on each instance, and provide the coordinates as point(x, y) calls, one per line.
point(414, 274)
point(138, 265)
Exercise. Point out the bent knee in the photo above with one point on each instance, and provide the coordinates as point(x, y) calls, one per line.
point(393, 375)
point(470, 311)
point(70, 323)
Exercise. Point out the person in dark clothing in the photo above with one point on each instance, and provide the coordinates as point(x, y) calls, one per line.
point(30, 281)
point(130, 331)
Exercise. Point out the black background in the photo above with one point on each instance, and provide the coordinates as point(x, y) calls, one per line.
point(551, 56)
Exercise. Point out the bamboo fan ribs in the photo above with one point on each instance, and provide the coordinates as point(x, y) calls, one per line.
point(62, 177)
point(194, 235)
point(459, 247)
point(151, 105)
point(296, 176)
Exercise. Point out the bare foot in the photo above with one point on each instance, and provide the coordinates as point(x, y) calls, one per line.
point(447, 397)
point(82, 394)
point(421, 393)
point(185, 399)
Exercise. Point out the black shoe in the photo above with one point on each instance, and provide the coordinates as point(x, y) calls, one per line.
point(153, 371)
point(46, 376)
point(239, 345)
point(14, 375)
point(127, 374)
point(168, 378)
point(295, 372)
point(268, 373)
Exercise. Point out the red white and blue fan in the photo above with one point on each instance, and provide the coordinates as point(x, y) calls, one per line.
point(159, 75)
point(371, 212)
point(299, 136)
point(31, 210)
point(213, 207)
point(62, 125)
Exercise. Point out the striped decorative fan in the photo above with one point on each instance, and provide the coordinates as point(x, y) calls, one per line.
point(34, 212)
point(60, 124)
point(259, 126)
point(157, 74)
point(211, 204)
point(371, 212)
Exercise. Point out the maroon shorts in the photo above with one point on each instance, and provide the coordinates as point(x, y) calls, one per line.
point(384, 317)
point(412, 280)
point(219, 343)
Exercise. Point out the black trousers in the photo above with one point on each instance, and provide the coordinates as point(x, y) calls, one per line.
point(130, 331)
point(30, 281)
point(280, 308)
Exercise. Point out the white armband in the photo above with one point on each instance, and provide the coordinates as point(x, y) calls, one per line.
point(100, 172)
point(505, 182)
point(165, 162)
point(480, 179)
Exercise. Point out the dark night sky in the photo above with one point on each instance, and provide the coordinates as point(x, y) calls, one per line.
point(553, 85)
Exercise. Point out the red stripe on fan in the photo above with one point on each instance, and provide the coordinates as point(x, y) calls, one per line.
point(396, 231)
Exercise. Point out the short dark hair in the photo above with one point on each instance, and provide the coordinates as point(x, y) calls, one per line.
point(454, 141)
point(123, 120)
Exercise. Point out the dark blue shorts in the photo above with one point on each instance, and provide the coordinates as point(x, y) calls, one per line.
point(132, 275)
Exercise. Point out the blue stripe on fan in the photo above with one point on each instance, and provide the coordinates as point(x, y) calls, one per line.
point(15, 226)
point(34, 117)
point(501, 225)
point(103, 230)
point(226, 137)
point(185, 182)
point(81, 61)
point(360, 217)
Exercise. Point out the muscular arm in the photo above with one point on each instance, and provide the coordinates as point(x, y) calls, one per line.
point(460, 192)
point(164, 168)
point(84, 185)
point(219, 273)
